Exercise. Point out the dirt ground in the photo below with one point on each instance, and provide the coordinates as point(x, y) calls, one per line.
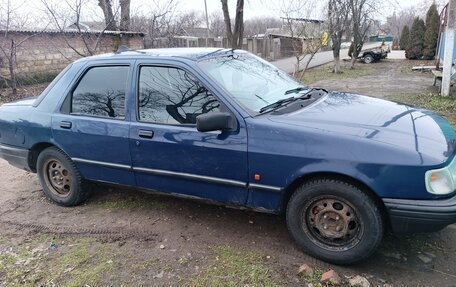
point(130, 238)
point(383, 79)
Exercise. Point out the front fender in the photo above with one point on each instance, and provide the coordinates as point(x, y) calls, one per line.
point(352, 170)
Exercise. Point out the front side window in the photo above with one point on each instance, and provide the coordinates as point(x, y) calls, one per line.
point(172, 96)
point(101, 92)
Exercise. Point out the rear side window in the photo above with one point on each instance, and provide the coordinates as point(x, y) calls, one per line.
point(101, 92)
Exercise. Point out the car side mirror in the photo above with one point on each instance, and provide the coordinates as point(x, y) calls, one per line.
point(215, 122)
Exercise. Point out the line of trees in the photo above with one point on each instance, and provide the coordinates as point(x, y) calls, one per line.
point(161, 19)
point(420, 40)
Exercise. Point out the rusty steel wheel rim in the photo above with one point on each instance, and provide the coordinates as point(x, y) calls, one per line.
point(333, 223)
point(57, 178)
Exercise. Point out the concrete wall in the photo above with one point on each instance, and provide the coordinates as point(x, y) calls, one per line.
point(50, 52)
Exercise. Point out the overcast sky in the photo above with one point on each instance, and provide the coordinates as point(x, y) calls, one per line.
point(33, 11)
point(255, 8)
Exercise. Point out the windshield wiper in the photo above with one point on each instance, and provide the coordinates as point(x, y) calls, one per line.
point(277, 104)
point(296, 90)
point(280, 103)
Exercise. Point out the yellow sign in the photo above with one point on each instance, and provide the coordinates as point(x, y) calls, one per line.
point(324, 39)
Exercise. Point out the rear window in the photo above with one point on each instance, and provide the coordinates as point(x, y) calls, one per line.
point(50, 86)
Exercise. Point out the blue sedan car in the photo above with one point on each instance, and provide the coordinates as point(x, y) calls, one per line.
point(227, 127)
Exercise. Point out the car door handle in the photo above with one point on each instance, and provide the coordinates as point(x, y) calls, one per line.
point(65, 125)
point(146, 134)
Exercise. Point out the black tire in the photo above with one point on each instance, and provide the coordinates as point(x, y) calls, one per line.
point(369, 59)
point(347, 230)
point(60, 179)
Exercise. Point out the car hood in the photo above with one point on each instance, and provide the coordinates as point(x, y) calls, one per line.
point(370, 119)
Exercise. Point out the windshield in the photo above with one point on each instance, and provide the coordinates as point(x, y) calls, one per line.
point(253, 82)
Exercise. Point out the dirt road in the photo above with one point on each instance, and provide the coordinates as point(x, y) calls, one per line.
point(387, 78)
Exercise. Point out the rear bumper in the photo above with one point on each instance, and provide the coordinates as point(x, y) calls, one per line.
point(417, 216)
point(15, 156)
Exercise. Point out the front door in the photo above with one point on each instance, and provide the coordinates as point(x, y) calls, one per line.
point(169, 154)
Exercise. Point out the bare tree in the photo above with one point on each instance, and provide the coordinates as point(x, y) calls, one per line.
point(259, 25)
point(235, 36)
point(216, 24)
point(9, 45)
point(106, 7)
point(361, 13)
point(69, 12)
point(396, 22)
point(305, 32)
point(338, 18)
point(157, 19)
point(190, 19)
point(124, 15)
point(110, 16)
point(423, 6)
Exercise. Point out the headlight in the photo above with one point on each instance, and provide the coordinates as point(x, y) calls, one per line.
point(442, 181)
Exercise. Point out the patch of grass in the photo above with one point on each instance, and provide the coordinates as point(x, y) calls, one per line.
point(236, 268)
point(444, 106)
point(17, 263)
point(75, 263)
point(145, 265)
point(82, 264)
point(325, 73)
point(315, 279)
point(133, 204)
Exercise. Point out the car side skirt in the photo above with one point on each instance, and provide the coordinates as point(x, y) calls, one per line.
point(264, 198)
point(185, 196)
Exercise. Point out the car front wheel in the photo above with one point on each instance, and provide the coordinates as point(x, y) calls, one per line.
point(60, 179)
point(334, 221)
point(369, 59)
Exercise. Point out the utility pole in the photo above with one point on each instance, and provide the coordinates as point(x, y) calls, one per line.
point(449, 48)
point(207, 23)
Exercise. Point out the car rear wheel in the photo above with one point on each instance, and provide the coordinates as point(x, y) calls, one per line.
point(60, 179)
point(334, 221)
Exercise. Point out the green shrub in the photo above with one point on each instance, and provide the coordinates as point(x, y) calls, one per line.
point(432, 32)
point(415, 48)
point(405, 38)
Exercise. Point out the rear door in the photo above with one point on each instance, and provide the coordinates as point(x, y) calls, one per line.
point(92, 127)
point(169, 154)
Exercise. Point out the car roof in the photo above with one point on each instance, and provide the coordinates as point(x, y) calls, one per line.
point(193, 54)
